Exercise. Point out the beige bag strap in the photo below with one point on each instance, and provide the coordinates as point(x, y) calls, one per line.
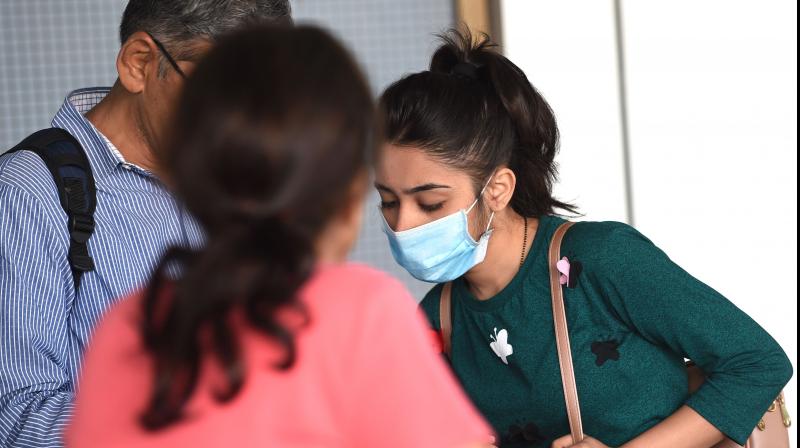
point(562, 333)
point(445, 319)
point(562, 336)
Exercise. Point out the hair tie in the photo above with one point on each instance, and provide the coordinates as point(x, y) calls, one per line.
point(465, 70)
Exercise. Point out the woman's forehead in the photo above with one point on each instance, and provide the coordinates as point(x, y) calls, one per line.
point(405, 167)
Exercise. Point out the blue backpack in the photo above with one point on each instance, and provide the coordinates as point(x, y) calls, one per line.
point(65, 158)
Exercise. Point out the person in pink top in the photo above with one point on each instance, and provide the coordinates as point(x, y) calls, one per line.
point(266, 337)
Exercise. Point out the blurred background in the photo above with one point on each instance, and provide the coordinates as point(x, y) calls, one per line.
point(679, 117)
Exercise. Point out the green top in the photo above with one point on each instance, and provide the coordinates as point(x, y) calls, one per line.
point(633, 316)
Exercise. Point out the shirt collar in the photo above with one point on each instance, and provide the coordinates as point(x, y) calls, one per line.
point(103, 155)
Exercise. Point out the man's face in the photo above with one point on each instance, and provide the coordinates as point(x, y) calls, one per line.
point(163, 88)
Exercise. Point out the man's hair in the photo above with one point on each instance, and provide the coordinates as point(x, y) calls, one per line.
point(179, 23)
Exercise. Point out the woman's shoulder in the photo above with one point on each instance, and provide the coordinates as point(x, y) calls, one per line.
point(120, 323)
point(355, 287)
point(353, 279)
point(601, 237)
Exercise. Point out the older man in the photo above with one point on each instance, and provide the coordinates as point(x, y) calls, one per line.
point(83, 215)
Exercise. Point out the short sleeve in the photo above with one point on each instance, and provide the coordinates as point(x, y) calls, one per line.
point(403, 394)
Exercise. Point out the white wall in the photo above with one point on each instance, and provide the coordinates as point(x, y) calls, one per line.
point(712, 88)
point(567, 51)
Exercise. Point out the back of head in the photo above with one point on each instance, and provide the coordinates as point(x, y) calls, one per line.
point(275, 118)
point(273, 129)
point(476, 111)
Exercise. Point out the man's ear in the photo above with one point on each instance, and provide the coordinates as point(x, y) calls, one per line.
point(137, 60)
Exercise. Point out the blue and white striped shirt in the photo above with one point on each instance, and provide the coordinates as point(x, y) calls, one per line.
point(44, 324)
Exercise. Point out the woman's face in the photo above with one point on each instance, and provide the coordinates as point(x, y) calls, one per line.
point(416, 189)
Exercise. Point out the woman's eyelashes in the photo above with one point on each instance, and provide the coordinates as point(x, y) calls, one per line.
point(386, 205)
point(427, 208)
point(431, 208)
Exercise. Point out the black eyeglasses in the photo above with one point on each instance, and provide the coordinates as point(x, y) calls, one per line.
point(169, 57)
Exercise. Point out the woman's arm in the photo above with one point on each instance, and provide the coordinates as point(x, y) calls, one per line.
point(745, 367)
point(685, 429)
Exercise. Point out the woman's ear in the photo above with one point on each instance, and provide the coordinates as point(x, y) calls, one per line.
point(500, 189)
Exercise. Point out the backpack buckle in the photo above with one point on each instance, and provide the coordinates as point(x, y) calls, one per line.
point(80, 228)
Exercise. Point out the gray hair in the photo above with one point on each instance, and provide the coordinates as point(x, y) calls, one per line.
point(178, 23)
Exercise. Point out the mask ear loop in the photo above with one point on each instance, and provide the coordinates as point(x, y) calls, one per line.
point(491, 217)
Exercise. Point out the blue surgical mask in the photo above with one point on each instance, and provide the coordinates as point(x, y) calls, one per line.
point(440, 251)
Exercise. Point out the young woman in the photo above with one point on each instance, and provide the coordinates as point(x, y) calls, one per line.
point(265, 337)
point(466, 195)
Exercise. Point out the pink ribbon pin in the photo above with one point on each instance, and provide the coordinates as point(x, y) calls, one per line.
point(563, 268)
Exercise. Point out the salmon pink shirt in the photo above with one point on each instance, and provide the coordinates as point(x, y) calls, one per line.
point(365, 376)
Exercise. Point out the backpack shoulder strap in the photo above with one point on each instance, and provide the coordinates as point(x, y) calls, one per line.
point(65, 158)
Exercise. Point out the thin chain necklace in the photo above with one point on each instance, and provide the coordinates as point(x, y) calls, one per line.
point(524, 243)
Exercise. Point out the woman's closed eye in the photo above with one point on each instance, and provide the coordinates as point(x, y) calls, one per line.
point(430, 208)
point(386, 205)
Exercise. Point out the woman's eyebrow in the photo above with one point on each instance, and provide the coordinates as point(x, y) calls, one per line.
point(425, 187)
point(417, 189)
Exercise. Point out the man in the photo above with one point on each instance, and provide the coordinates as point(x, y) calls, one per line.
point(47, 309)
